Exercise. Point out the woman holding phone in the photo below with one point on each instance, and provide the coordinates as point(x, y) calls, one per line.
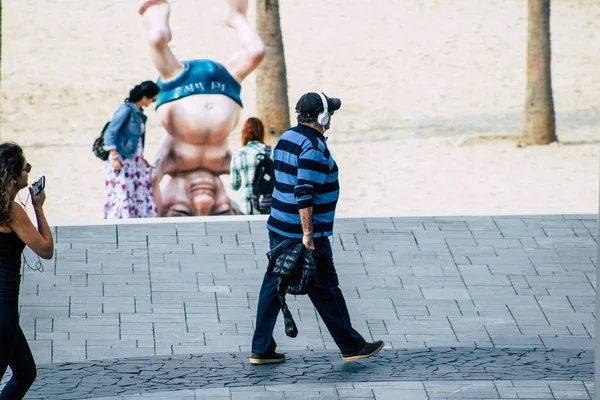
point(16, 232)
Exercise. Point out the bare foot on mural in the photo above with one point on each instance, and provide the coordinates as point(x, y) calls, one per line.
point(149, 3)
point(155, 14)
point(237, 10)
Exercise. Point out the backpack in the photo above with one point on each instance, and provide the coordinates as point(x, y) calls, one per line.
point(98, 147)
point(263, 183)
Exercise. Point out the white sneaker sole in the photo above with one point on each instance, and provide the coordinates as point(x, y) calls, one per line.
point(361, 357)
point(258, 361)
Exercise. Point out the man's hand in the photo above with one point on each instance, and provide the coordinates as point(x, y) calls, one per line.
point(307, 241)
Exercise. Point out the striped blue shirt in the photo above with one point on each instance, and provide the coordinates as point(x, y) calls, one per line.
point(306, 175)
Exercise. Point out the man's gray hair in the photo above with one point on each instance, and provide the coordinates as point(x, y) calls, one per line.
point(306, 118)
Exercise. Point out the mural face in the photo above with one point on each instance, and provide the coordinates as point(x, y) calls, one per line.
point(198, 192)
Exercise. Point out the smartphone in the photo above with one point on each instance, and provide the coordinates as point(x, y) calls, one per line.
point(39, 186)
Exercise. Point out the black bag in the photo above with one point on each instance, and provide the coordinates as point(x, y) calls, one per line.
point(263, 183)
point(98, 147)
point(294, 266)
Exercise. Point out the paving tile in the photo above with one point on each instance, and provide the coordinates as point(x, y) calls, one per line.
point(432, 282)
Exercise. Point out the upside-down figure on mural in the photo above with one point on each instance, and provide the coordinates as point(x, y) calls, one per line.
point(199, 105)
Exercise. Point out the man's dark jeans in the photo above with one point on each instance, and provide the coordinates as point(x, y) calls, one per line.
point(326, 296)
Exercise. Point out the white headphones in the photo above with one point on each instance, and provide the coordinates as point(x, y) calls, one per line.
point(323, 118)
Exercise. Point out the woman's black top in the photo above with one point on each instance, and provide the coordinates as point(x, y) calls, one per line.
point(11, 248)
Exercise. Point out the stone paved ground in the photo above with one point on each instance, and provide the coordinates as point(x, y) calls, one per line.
point(469, 307)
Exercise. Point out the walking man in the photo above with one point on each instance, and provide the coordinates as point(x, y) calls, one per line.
point(303, 207)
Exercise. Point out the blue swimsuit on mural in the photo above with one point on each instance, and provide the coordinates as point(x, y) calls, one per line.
point(199, 77)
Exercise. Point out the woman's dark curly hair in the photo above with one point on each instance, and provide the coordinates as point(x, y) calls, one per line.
point(147, 89)
point(253, 129)
point(11, 166)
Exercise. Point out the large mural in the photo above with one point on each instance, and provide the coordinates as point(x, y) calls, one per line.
point(199, 105)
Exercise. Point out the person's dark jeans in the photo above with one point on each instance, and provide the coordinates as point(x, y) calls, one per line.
point(326, 296)
point(14, 350)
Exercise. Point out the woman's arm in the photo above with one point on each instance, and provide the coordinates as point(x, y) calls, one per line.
point(119, 119)
point(39, 240)
point(110, 135)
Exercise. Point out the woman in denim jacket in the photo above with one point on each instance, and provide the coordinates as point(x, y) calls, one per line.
point(127, 188)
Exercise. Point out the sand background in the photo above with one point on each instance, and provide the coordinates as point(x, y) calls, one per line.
point(420, 82)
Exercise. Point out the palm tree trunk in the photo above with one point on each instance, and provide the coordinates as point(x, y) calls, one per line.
point(539, 126)
point(271, 76)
